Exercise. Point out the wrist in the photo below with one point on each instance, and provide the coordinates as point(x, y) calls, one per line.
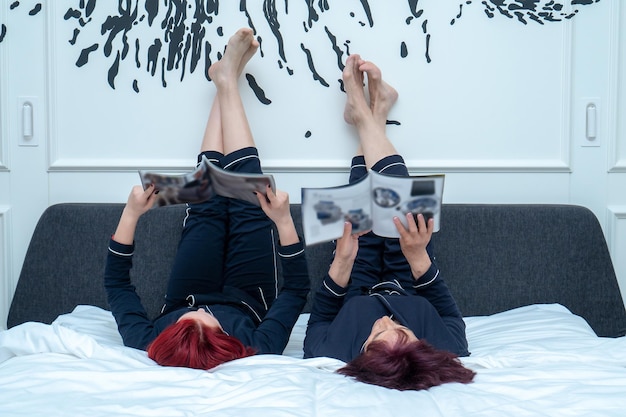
point(420, 265)
point(340, 271)
point(287, 233)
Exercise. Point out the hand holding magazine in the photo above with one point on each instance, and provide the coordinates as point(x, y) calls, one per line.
point(370, 204)
point(206, 181)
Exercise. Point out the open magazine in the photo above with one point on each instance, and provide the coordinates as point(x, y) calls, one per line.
point(370, 204)
point(204, 182)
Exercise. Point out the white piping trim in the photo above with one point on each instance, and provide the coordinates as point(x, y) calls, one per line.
point(240, 159)
point(390, 165)
point(121, 253)
point(291, 255)
point(331, 291)
point(263, 298)
point(275, 264)
point(251, 309)
point(187, 210)
point(427, 283)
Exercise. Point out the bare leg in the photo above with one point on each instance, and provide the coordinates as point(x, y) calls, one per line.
point(212, 140)
point(225, 73)
point(370, 128)
point(213, 136)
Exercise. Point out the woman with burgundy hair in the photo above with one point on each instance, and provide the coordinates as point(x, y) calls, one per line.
point(383, 307)
point(222, 300)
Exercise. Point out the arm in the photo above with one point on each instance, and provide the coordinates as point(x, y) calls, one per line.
point(133, 323)
point(331, 294)
point(428, 283)
point(414, 243)
point(276, 207)
point(273, 333)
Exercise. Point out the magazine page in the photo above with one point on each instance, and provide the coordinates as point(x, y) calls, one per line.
point(397, 196)
point(238, 184)
point(191, 187)
point(324, 211)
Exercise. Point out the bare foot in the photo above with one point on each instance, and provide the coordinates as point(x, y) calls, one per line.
point(239, 50)
point(254, 46)
point(382, 95)
point(353, 83)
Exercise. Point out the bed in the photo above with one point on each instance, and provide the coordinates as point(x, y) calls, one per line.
point(545, 325)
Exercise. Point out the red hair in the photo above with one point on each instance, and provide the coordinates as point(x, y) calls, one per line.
point(406, 366)
point(191, 344)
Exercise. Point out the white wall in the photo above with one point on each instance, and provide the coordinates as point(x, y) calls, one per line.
point(496, 103)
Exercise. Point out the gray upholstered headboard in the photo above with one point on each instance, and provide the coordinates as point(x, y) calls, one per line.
point(493, 257)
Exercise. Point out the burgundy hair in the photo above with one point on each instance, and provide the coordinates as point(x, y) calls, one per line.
point(406, 366)
point(191, 344)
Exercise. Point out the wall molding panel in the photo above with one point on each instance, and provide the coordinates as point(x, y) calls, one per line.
point(4, 106)
point(616, 238)
point(480, 137)
point(313, 166)
point(617, 90)
point(6, 283)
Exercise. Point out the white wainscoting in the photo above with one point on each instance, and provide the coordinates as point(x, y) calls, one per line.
point(4, 114)
point(454, 114)
point(6, 284)
point(616, 238)
point(617, 91)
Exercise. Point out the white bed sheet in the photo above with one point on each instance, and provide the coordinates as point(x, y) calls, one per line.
point(539, 360)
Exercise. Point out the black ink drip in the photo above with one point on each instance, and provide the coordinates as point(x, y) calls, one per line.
point(84, 55)
point(309, 59)
point(336, 49)
point(35, 10)
point(271, 15)
point(368, 12)
point(113, 71)
point(258, 91)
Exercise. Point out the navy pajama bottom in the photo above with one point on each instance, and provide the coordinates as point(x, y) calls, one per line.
point(225, 242)
point(379, 259)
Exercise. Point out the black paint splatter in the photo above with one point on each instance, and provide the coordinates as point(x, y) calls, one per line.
point(336, 48)
point(403, 50)
point(72, 14)
point(307, 134)
point(153, 56)
point(72, 41)
point(137, 49)
point(271, 16)
point(309, 59)
point(113, 70)
point(368, 12)
point(530, 10)
point(84, 55)
point(152, 7)
point(35, 10)
point(184, 45)
point(258, 91)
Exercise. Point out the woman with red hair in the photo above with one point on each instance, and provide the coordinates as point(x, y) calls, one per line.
point(222, 300)
point(383, 307)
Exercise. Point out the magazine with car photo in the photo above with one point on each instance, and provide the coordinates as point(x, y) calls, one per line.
point(370, 204)
point(204, 182)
